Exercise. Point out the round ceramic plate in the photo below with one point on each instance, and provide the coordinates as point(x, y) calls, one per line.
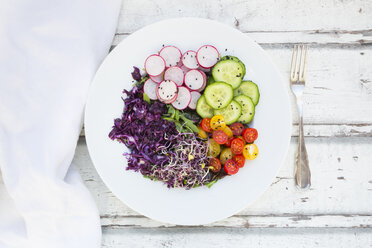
point(200, 205)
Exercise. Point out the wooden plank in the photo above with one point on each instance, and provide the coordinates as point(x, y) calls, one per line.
point(236, 237)
point(341, 176)
point(271, 15)
point(334, 130)
point(338, 88)
point(317, 37)
point(260, 221)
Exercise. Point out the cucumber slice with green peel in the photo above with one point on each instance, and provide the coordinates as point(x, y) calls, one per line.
point(229, 57)
point(248, 109)
point(248, 88)
point(203, 109)
point(218, 95)
point(230, 113)
point(228, 71)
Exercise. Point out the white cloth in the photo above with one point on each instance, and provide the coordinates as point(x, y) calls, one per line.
point(49, 52)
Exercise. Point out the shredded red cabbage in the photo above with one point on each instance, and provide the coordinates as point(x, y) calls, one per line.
point(157, 149)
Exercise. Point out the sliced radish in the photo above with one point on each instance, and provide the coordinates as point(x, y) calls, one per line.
point(183, 98)
point(167, 91)
point(154, 65)
point(150, 89)
point(205, 79)
point(171, 54)
point(207, 56)
point(194, 99)
point(158, 79)
point(174, 74)
point(184, 69)
point(194, 79)
point(189, 60)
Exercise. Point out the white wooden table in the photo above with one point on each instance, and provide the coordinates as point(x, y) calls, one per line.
point(337, 210)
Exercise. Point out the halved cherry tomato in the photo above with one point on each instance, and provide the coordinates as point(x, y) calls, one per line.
point(228, 142)
point(237, 146)
point(214, 164)
point(250, 151)
point(220, 136)
point(250, 135)
point(241, 137)
point(228, 131)
point(239, 160)
point(202, 134)
point(218, 122)
point(206, 125)
point(226, 154)
point(214, 148)
point(237, 128)
point(231, 167)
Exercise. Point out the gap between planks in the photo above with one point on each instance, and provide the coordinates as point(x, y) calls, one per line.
point(252, 221)
point(327, 130)
point(314, 37)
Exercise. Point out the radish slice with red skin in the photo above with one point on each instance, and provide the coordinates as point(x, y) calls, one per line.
point(158, 79)
point(204, 77)
point(189, 60)
point(174, 74)
point(154, 65)
point(194, 99)
point(149, 88)
point(184, 69)
point(207, 56)
point(183, 98)
point(194, 79)
point(171, 55)
point(167, 91)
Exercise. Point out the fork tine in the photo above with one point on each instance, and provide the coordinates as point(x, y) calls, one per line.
point(294, 64)
point(304, 65)
point(301, 64)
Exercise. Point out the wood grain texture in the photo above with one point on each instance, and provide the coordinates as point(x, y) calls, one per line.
point(341, 177)
point(271, 15)
point(237, 237)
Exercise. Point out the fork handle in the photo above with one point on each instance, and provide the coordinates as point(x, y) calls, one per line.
point(302, 170)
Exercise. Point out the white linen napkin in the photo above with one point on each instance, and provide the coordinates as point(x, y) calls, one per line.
point(49, 52)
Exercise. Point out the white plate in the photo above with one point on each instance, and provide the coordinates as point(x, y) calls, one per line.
point(200, 205)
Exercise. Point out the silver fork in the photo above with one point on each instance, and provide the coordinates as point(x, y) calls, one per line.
point(297, 79)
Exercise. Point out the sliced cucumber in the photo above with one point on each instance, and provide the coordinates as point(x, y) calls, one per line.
point(229, 57)
point(203, 109)
point(247, 108)
point(218, 95)
point(230, 113)
point(248, 88)
point(228, 71)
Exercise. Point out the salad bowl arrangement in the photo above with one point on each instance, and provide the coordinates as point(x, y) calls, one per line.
point(157, 138)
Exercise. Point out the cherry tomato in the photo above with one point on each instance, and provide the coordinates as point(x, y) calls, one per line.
point(250, 135)
point(239, 160)
point(237, 128)
point(241, 137)
point(228, 142)
point(218, 122)
point(214, 164)
point(206, 125)
point(237, 146)
point(231, 167)
point(226, 154)
point(228, 131)
point(202, 134)
point(220, 136)
point(250, 151)
point(214, 148)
